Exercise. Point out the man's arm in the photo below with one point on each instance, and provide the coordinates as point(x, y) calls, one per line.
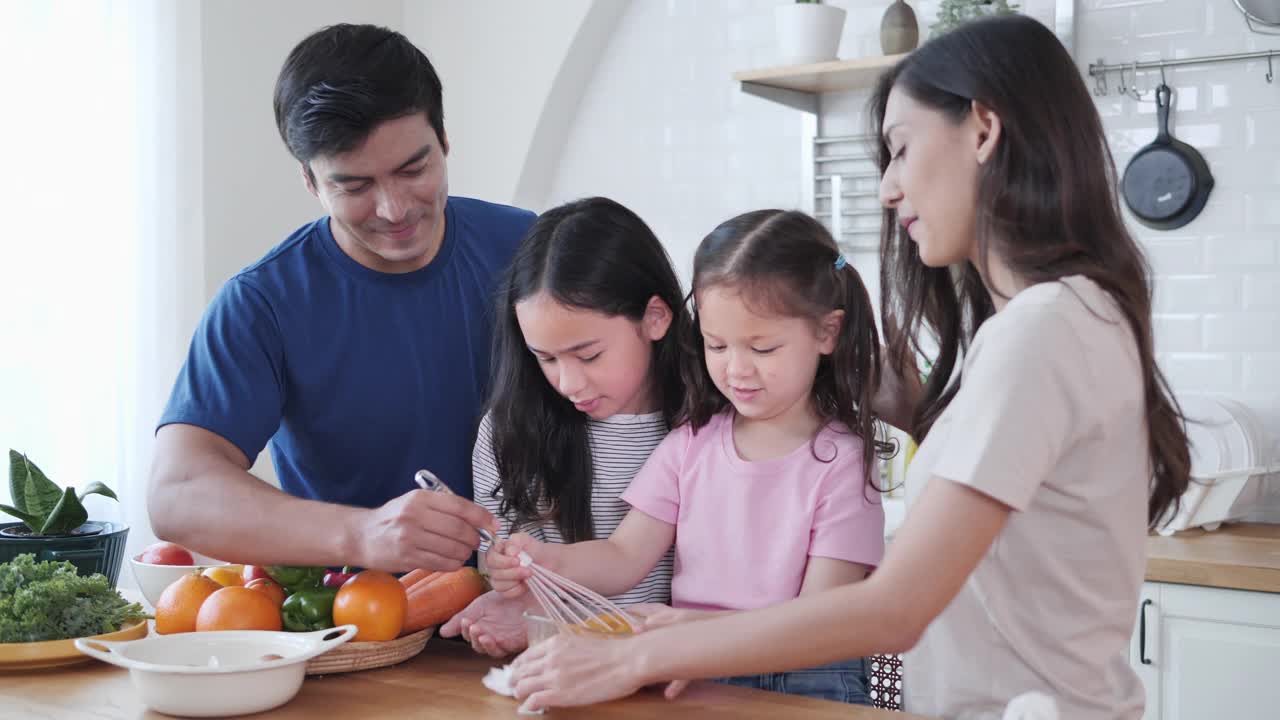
point(202, 496)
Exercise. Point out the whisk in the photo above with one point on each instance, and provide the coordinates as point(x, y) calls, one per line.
point(565, 602)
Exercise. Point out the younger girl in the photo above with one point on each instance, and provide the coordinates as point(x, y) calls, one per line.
point(764, 493)
point(589, 377)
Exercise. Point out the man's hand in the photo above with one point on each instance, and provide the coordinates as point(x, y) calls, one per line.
point(421, 529)
point(494, 625)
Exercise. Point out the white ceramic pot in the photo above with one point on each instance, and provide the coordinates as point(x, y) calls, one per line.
point(808, 32)
point(219, 673)
point(153, 579)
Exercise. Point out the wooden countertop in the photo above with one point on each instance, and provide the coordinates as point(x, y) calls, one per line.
point(1244, 556)
point(442, 683)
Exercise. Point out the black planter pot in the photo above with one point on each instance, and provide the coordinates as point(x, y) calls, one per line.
point(94, 547)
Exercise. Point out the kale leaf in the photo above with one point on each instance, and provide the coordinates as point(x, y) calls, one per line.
point(49, 601)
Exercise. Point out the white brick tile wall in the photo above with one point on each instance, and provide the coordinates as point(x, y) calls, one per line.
point(1173, 255)
point(1209, 372)
point(1217, 280)
point(1262, 291)
point(1262, 372)
point(1179, 333)
point(1197, 293)
point(1240, 250)
point(1262, 210)
point(1242, 331)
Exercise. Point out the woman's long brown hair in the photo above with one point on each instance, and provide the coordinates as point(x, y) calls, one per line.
point(1048, 209)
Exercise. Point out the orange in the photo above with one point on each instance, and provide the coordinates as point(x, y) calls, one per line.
point(180, 603)
point(226, 575)
point(270, 587)
point(238, 608)
point(373, 601)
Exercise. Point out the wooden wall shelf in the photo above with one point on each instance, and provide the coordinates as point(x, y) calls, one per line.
point(798, 86)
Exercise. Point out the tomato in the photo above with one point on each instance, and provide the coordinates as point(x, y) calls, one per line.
point(270, 587)
point(166, 553)
point(253, 572)
point(373, 601)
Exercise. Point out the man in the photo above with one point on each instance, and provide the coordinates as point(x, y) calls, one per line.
point(358, 346)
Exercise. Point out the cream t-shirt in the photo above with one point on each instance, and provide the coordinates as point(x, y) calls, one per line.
point(1050, 420)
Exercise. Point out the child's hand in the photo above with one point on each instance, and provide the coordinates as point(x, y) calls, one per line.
point(506, 574)
point(656, 615)
point(492, 624)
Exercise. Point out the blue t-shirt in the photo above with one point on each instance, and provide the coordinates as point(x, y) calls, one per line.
point(358, 378)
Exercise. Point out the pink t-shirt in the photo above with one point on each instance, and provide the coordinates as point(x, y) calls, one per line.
point(745, 530)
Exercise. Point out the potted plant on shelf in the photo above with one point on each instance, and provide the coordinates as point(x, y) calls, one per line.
point(808, 32)
point(954, 13)
point(55, 525)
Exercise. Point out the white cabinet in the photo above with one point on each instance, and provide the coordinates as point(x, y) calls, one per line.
point(1208, 653)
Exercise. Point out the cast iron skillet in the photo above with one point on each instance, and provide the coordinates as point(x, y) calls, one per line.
point(1167, 183)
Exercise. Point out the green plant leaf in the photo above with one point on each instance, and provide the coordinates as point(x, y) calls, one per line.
point(17, 479)
point(32, 521)
point(67, 515)
point(97, 488)
point(35, 493)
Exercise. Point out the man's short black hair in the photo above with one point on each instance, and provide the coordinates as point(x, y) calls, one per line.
point(342, 81)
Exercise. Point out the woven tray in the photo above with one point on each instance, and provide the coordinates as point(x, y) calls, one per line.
point(353, 656)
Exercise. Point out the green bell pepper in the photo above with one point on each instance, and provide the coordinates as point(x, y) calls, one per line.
point(294, 577)
point(309, 609)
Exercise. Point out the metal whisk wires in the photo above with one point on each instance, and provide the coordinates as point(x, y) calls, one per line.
point(566, 603)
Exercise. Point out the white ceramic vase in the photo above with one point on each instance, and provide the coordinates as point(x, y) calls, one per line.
point(808, 32)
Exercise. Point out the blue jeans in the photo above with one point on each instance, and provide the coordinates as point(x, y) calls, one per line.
point(844, 681)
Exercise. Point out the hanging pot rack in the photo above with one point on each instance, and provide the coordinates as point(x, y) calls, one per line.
point(1099, 70)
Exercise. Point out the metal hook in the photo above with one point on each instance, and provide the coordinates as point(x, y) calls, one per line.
point(1100, 79)
point(1270, 75)
point(1133, 91)
point(1162, 80)
point(1123, 89)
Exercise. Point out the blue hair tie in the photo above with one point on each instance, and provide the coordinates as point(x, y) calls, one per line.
point(841, 261)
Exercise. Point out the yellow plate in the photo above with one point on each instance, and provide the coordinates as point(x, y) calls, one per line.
point(56, 653)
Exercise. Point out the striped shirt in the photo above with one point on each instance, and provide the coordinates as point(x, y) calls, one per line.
point(619, 447)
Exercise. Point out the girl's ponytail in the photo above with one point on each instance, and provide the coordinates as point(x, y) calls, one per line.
point(848, 378)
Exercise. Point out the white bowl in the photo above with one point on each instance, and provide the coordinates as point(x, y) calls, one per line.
point(217, 673)
point(153, 579)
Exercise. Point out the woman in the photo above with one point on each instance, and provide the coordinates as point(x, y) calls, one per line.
point(1049, 439)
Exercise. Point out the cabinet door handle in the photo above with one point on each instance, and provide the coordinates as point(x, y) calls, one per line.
point(1142, 633)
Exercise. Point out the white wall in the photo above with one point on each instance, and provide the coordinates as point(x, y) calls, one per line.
point(1218, 284)
point(513, 72)
point(253, 192)
point(662, 128)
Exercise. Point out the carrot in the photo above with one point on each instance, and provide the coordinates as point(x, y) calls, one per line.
point(424, 582)
point(434, 600)
point(411, 577)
